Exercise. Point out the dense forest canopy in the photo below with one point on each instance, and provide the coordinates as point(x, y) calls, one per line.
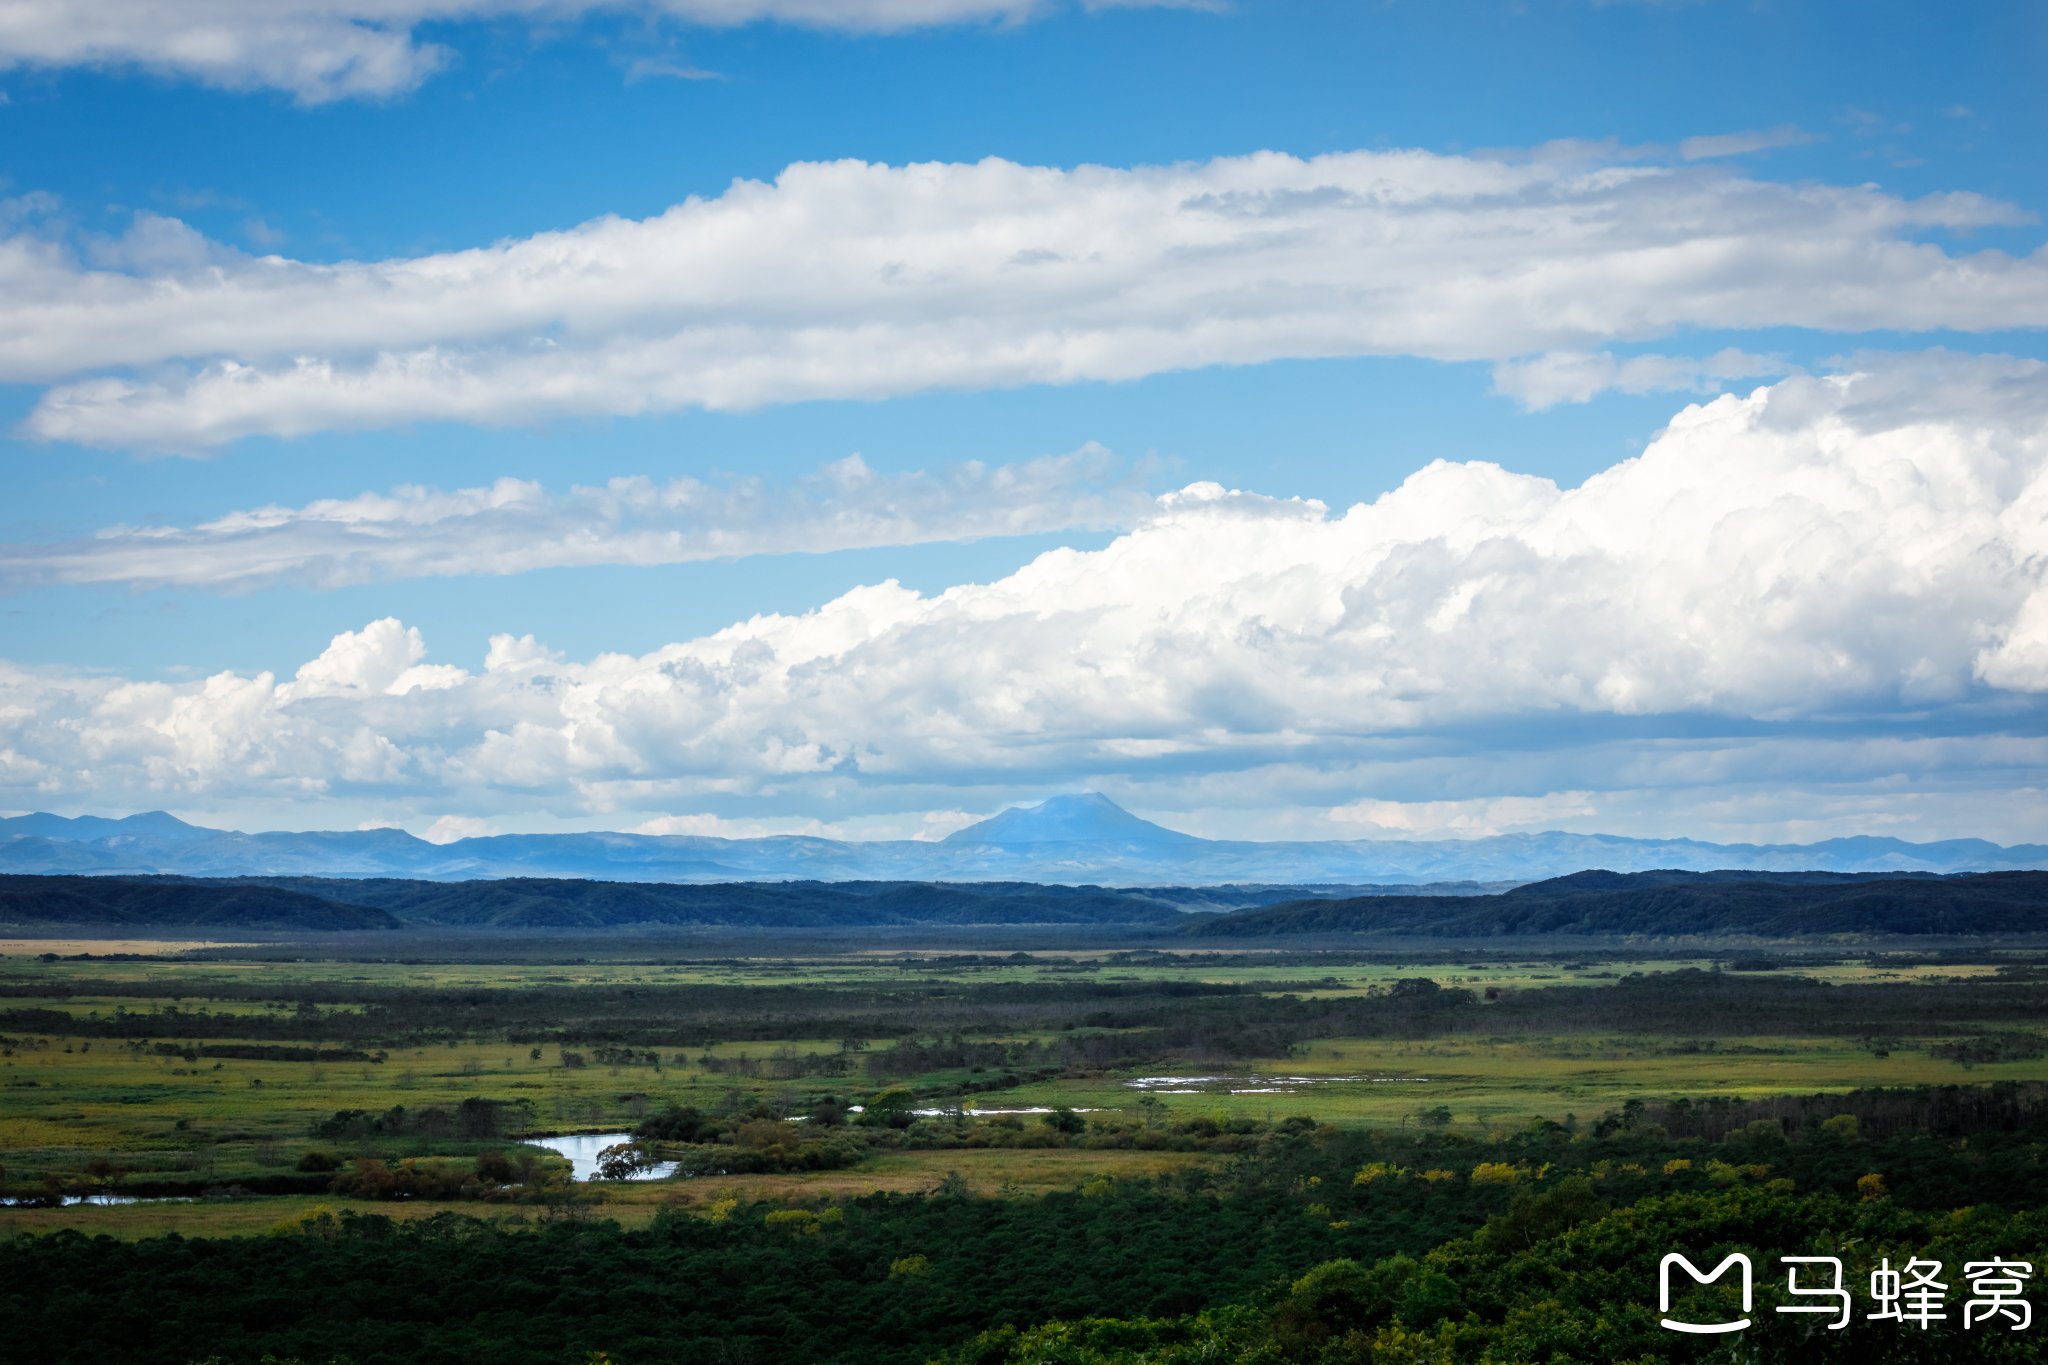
point(1478, 1241)
point(327, 904)
point(1670, 903)
point(1781, 905)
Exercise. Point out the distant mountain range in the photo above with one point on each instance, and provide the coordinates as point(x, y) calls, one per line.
point(1068, 841)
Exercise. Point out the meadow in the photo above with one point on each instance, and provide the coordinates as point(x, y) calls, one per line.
point(118, 1074)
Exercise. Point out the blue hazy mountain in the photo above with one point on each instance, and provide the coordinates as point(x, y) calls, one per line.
point(1068, 840)
point(155, 824)
point(1090, 819)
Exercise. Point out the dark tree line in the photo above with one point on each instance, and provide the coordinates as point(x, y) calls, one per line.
point(1672, 904)
point(1880, 1112)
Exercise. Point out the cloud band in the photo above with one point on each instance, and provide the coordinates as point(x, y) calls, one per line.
point(327, 50)
point(849, 280)
point(515, 526)
point(1859, 555)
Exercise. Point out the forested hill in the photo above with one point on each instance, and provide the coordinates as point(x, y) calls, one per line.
point(1677, 903)
point(548, 903)
point(170, 901)
point(336, 903)
point(1657, 903)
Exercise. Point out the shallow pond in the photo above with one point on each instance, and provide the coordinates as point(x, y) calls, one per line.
point(582, 1150)
point(70, 1199)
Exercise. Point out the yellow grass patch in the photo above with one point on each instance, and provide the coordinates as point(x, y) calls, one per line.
point(71, 947)
point(16, 1133)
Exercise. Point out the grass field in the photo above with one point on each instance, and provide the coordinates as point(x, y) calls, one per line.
point(69, 1100)
point(67, 947)
point(187, 979)
point(1017, 1174)
point(111, 1099)
point(1372, 1083)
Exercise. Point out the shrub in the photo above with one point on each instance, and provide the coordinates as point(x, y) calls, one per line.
point(1065, 1120)
point(494, 1166)
point(373, 1179)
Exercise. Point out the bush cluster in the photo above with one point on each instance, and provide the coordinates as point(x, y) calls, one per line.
point(494, 1177)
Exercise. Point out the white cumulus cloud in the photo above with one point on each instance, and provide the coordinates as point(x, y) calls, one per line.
point(382, 659)
point(449, 828)
point(514, 525)
point(1845, 573)
point(850, 280)
point(325, 50)
point(1472, 818)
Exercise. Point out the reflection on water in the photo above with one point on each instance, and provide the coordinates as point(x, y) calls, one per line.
point(984, 1113)
point(1256, 1085)
point(582, 1150)
point(100, 1199)
point(968, 1106)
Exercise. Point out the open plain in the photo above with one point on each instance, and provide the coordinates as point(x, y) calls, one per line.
point(190, 1069)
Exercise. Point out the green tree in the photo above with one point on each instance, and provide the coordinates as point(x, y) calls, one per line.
point(1065, 1120)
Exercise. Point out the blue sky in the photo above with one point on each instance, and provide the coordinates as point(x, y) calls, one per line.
point(1516, 203)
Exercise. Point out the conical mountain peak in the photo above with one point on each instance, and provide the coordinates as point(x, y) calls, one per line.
point(1089, 817)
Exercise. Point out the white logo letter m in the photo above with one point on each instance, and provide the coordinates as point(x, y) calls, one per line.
point(1664, 1291)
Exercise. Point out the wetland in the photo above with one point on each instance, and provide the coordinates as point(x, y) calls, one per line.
point(853, 1103)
